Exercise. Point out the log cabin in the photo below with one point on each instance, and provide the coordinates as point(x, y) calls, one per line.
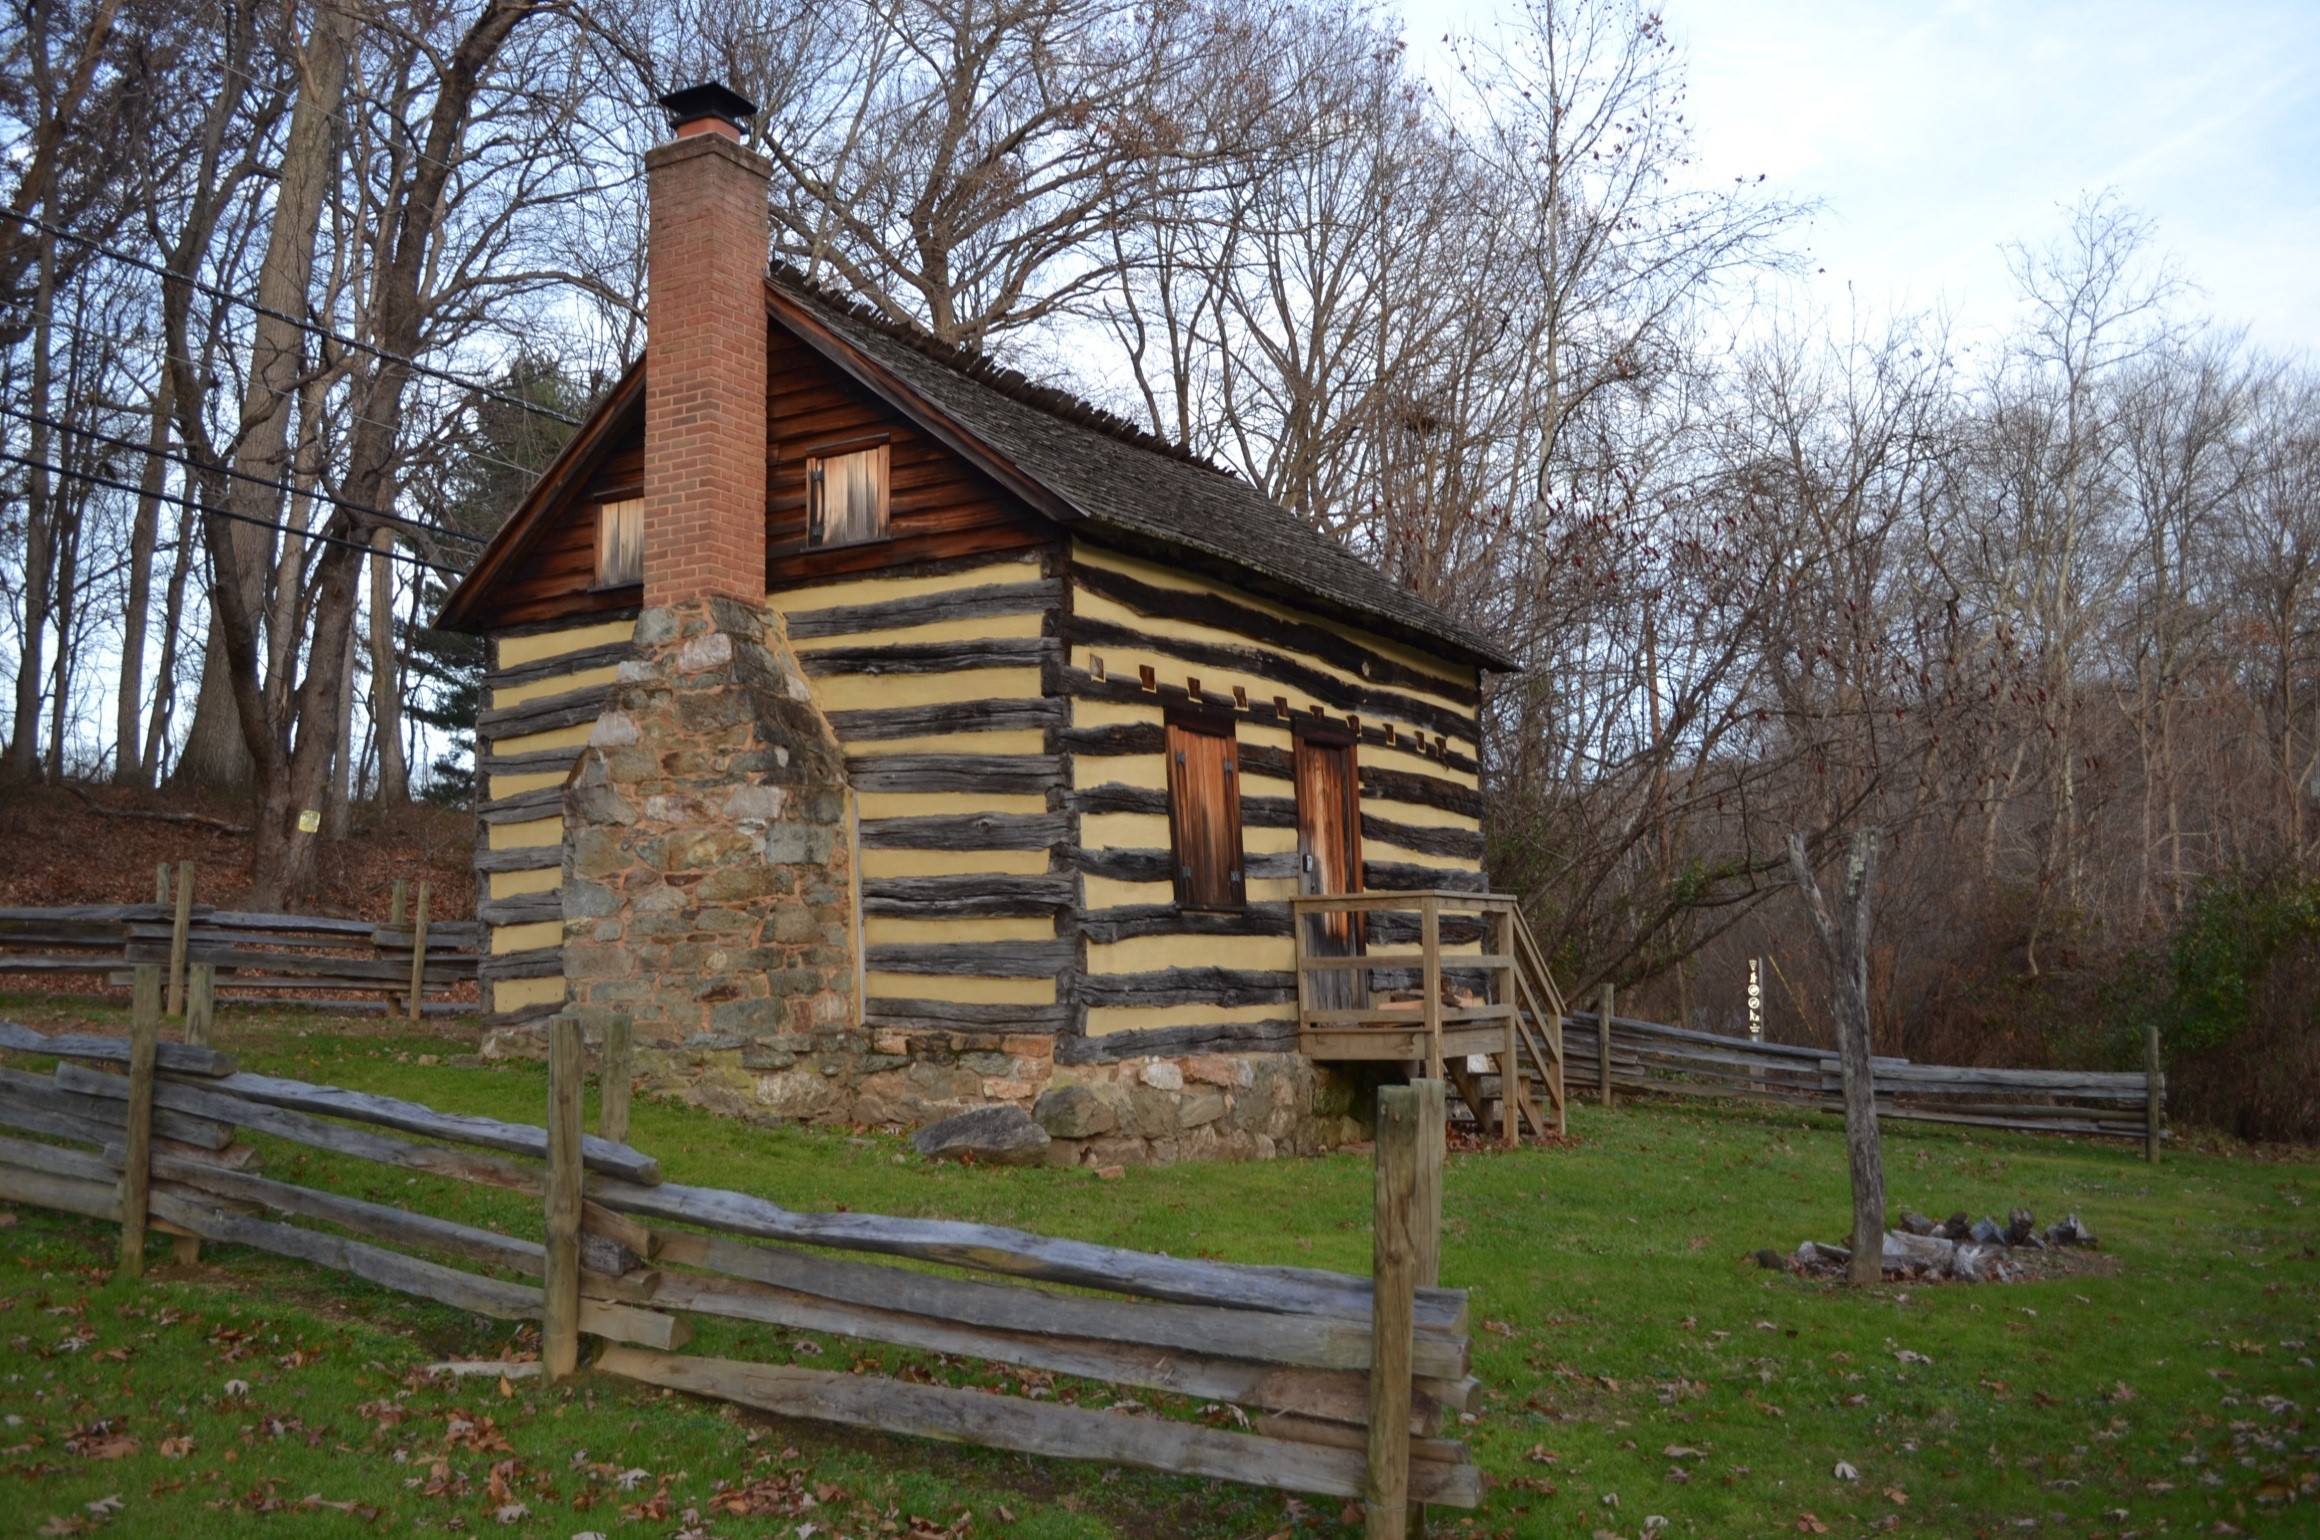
point(887, 734)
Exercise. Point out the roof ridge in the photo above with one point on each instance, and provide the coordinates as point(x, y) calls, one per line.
point(985, 370)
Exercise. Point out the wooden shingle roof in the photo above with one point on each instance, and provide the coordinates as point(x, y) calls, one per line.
point(1097, 468)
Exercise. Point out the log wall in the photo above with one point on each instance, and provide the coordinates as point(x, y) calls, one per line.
point(1140, 637)
point(545, 690)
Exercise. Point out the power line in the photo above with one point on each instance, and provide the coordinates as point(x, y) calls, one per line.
point(392, 553)
point(418, 525)
point(315, 327)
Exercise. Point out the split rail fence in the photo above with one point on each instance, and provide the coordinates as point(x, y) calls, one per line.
point(1648, 1056)
point(1352, 1381)
point(410, 964)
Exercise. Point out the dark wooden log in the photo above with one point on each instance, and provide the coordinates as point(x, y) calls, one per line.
point(1190, 986)
point(522, 858)
point(928, 657)
point(1117, 739)
point(1159, 866)
point(918, 1015)
point(1285, 672)
point(1028, 1427)
point(975, 895)
point(530, 763)
point(1256, 812)
point(539, 962)
point(558, 664)
point(1317, 641)
point(548, 713)
point(524, 806)
point(1456, 844)
point(1425, 790)
point(1402, 876)
point(981, 603)
point(872, 725)
point(1125, 921)
point(523, 909)
point(176, 1058)
point(991, 774)
point(974, 959)
point(967, 831)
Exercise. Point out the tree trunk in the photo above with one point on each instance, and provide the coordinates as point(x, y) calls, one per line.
point(336, 817)
point(128, 762)
point(262, 443)
point(165, 667)
point(1844, 941)
point(283, 848)
point(386, 683)
point(39, 553)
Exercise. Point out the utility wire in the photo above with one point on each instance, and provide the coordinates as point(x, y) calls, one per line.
point(392, 552)
point(315, 327)
point(418, 525)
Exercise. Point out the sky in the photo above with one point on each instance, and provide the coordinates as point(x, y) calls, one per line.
point(1931, 134)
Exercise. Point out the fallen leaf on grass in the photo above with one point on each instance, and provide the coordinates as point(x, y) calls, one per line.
point(98, 1444)
point(1845, 1472)
point(175, 1448)
point(1810, 1524)
point(1680, 1452)
point(1896, 1495)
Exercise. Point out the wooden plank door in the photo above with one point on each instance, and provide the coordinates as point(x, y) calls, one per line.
point(1329, 861)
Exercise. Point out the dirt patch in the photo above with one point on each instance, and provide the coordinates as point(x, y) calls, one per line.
point(58, 846)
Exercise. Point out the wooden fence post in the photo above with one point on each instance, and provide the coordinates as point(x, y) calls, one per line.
point(418, 953)
point(619, 1075)
point(1386, 1512)
point(161, 883)
point(1603, 1003)
point(179, 931)
point(200, 1002)
point(560, 1308)
point(137, 1145)
point(397, 908)
point(1426, 1188)
point(2154, 1092)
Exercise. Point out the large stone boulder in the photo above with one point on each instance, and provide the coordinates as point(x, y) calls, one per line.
point(997, 1136)
point(1075, 1112)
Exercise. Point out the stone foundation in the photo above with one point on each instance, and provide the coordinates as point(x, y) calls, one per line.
point(1142, 1111)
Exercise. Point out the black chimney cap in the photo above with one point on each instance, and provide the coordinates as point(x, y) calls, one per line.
point(710, 99)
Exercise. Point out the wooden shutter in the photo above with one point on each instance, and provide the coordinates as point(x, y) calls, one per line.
point(1204, 815)
point(620, 543)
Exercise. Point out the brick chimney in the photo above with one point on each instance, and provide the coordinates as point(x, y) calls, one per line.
point(704, 411)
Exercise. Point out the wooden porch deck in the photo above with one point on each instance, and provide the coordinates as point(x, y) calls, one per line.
point(1432, 1008)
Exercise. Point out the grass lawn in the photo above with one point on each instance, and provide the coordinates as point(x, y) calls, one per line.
point(1643, 1375)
